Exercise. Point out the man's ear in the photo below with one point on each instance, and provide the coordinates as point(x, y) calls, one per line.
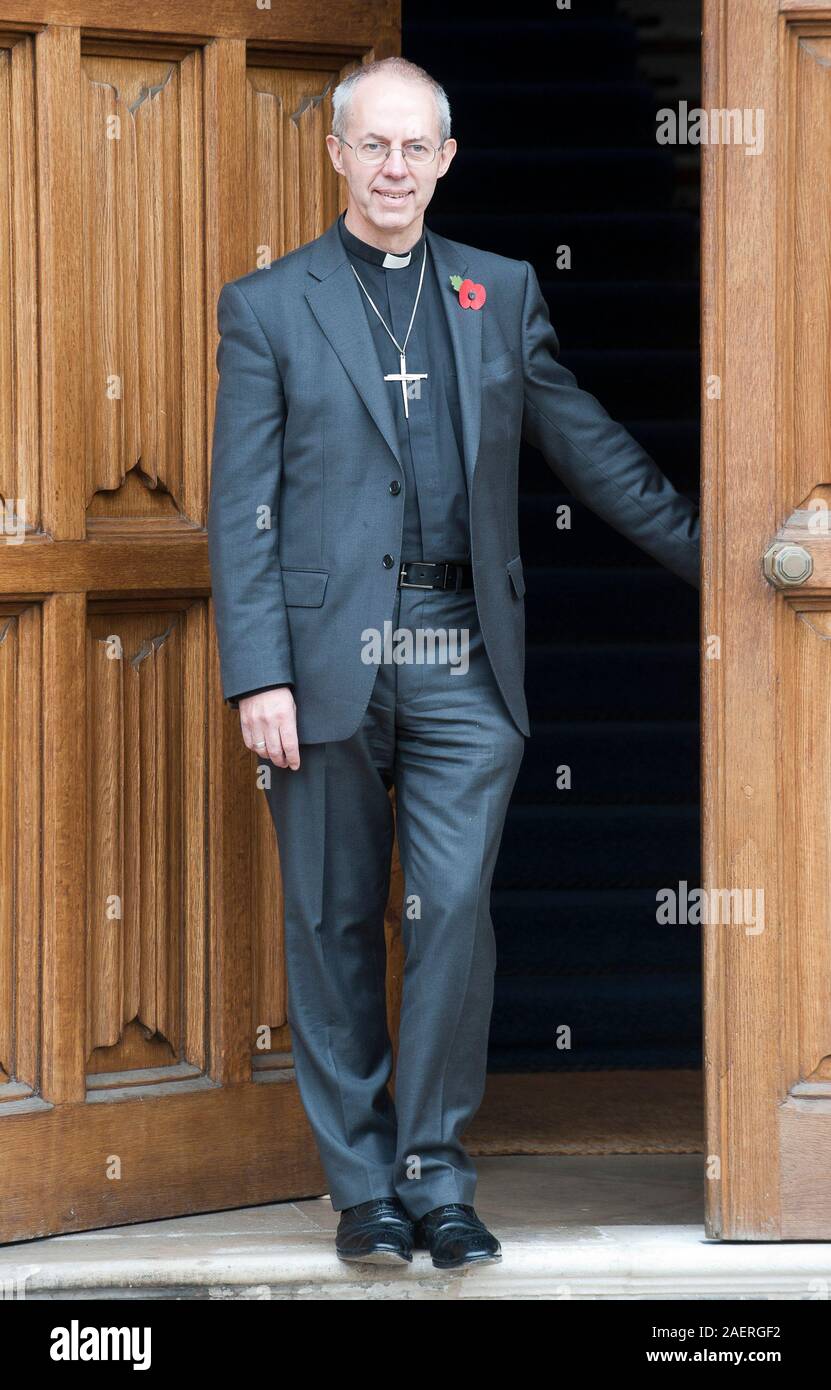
point(448, 150)
point(333, 146)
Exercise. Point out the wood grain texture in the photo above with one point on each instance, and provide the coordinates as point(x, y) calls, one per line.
point(20, 847)
point(61, 280)
point(113, 1159)
point(142, 165)
point(746, 1008)
point(19, 418)
point(766, 677)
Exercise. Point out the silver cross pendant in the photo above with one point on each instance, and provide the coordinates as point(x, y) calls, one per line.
point(404, 376)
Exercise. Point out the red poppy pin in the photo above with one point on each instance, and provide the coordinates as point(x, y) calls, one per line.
point(471, 295)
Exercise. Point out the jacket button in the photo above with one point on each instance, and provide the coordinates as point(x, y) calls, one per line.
point(395, 487)
point(388, 562)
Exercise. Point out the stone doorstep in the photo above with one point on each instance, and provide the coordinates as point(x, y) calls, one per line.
point(589, 1262)
point(624, 1226)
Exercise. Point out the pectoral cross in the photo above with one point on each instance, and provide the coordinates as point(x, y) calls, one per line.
point(404, 376)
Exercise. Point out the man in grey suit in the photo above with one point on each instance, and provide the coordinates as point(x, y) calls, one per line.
point(375, 385)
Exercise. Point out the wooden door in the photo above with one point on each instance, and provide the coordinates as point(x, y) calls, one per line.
point(148, 154)
point(766, 627)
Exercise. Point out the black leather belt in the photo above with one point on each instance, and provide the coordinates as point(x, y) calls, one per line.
point(434, 574)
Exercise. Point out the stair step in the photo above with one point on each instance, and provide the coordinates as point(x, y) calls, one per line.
point(602, 680)
point(599, 846)
point(611, 763)
point(662, 383)
point(613, 1019)
point(642, 314)
point(556, 180)
point(622, 605)
point(648, 245)
point(592, 931)
point(660, 1056)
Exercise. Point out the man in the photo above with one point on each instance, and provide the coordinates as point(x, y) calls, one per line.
point(374, 388)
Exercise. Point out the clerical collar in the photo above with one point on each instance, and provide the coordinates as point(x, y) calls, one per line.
point(388, 259)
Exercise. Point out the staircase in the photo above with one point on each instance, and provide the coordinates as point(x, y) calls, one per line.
point(554, 112)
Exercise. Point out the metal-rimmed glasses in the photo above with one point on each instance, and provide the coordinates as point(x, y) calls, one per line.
point(378, 151)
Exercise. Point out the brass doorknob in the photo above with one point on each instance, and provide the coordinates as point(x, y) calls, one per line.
point(786, 564)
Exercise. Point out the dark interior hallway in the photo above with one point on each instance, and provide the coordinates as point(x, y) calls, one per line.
point(555, 117)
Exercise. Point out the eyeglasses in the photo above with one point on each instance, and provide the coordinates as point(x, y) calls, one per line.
point(378, 151)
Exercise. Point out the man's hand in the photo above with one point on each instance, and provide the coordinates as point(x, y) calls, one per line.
point(269, 725)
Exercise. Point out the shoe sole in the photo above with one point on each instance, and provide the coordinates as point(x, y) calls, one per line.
point(471, 1260)
point(376, 1257)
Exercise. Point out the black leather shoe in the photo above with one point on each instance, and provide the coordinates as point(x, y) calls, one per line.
point(455, 1236)
point(378, 1232)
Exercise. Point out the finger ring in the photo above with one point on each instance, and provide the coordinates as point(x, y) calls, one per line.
point(260, 745)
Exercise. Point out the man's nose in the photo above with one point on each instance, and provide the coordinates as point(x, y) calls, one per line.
point(395, 163)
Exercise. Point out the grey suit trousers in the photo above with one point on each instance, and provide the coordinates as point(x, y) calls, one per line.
point(447, 742)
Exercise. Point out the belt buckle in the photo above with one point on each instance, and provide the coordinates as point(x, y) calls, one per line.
point(406, 583)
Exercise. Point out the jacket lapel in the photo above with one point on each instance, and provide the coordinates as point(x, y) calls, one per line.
point(465, 328)
point(335, 300)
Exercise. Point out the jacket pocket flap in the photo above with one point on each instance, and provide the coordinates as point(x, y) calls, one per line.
point(304, 588)
point(514, 568)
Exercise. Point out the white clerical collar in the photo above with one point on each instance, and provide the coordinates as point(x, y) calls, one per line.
point(388, 260)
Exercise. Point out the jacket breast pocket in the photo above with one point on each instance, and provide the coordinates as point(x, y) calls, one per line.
point(304, 588)
point(517, 578)
point(500, 366)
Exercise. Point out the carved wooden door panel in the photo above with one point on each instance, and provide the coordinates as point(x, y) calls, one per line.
point(766, 368)
point(145, 1063)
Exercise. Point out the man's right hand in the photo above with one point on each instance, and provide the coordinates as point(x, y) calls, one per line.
point(269, 725)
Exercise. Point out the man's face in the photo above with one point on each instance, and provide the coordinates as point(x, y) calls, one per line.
point(389, 199)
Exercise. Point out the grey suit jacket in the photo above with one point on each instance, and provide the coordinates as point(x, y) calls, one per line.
point(304, 533)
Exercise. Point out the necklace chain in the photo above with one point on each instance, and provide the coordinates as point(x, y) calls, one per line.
point(401, 347)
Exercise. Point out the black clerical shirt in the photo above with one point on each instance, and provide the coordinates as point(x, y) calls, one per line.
point(436, 520)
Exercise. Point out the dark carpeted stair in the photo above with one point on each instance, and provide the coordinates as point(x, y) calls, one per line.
point(555, 117)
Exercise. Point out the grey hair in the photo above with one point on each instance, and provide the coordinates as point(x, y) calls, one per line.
point(396, 67)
